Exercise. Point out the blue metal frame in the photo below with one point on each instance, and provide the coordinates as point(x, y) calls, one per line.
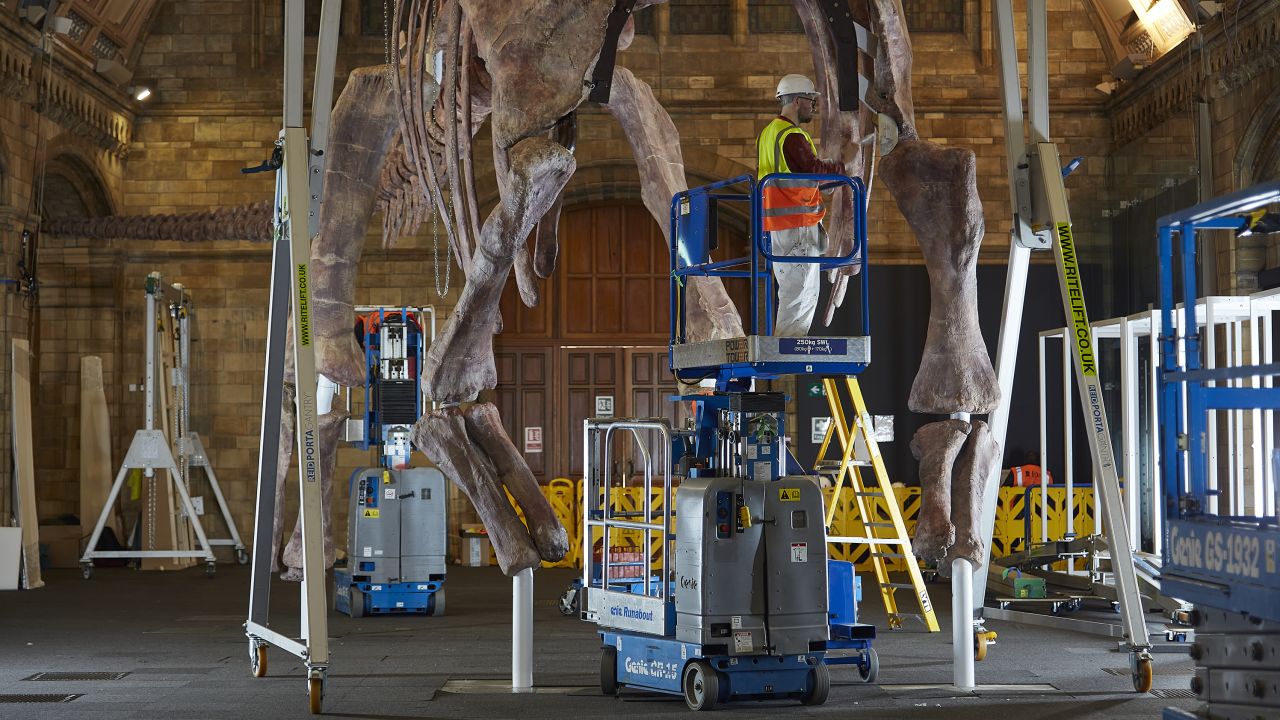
point(402, 598)
point(372, 343)
point(690, 243)
point(1216, 560)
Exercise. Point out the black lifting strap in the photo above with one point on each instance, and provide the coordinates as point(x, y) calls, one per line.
point(602, 75)
point(849, 35)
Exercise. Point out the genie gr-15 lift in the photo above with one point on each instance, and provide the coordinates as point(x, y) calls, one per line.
point(718, 589)
point(1225, 564)
point(396, 514)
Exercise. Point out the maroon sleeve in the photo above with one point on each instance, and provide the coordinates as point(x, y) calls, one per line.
point(800, 157)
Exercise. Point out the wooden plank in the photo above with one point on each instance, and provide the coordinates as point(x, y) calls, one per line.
point(24, 459)
point(96, 468)
point(160, 526)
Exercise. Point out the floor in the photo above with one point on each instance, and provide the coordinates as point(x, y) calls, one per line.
point(178, 636)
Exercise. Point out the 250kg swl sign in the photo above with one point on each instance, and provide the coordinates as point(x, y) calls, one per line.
point(1222, 552)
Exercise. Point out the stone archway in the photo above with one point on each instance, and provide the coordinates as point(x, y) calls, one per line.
point(1258, 157)
point(71, 188)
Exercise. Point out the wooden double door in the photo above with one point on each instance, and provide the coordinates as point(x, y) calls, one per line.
point(545, 393)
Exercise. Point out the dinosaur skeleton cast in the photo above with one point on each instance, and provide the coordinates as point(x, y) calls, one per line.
point(402, 144)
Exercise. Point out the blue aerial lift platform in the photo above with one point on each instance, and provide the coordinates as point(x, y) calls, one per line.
point(1225, 565)
point(677, 587)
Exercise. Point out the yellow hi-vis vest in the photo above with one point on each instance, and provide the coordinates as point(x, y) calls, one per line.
point(787, 203)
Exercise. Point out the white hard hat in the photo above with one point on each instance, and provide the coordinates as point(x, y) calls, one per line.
point(796, 85)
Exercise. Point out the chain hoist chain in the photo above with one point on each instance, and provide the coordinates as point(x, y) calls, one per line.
point(386, 41)
point(435, 255)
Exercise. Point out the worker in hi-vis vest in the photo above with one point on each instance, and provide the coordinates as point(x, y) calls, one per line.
point(793, 208)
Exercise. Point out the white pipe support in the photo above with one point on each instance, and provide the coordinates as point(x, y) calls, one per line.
point(522, 631)
point(962, 624)
point(326, 391)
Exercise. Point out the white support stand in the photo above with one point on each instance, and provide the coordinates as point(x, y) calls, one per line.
point(522, 632)
point(961, 624)
point(150, 451)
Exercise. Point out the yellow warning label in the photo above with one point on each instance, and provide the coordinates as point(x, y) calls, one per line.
point(304, 310)
point(373, 513)
point(386, 477)
point(1081, 334)
point(789, 494)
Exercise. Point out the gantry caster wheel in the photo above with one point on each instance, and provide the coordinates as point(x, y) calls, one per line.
point(86, 570)
point(819, 686)
point(258, 658)
point(569, 601)
point(210, 568)
point(701, 685)
point(242, 556)
point(1142, 673)
point(982, 641)
point(872, 669)
point(315, 692)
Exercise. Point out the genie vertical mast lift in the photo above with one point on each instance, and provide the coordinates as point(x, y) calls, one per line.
point(720, 590)
point(1042, 221)
point(299, 180)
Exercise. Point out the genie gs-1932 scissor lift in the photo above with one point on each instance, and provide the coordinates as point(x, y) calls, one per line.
point(719, 590)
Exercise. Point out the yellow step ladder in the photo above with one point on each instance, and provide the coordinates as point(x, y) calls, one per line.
point(885, 540)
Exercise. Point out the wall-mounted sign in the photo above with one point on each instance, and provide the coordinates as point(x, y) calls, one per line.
point(604, 406)
point(533, 439)
point(818, 429)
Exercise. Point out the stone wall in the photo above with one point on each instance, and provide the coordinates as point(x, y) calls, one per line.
point(215, 71)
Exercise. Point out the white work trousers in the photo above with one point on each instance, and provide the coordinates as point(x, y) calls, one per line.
point(798, 283)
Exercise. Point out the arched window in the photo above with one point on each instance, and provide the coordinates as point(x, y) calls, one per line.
point(934, 16)
point(701, 17)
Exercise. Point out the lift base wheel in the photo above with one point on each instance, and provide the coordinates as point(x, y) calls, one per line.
point(821, 687)
point(210, 568)
point(701, 685)
point(435, 605)
point(86, 570)
point(609, 670)
point(1142, 675)
point(356, 601)
point(242, 556)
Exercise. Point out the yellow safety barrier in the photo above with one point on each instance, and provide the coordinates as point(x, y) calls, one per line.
point(1010, 534)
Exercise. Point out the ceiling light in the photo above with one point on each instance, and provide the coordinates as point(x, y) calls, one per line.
point(141, 93)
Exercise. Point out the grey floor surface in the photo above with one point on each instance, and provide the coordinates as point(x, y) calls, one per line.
point(179, 638)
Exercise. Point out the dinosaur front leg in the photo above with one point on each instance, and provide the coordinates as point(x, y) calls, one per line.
point(710, 314)
point(485, 428)
point(977, 459)
point(364, 122)
point(460, 362)
point(936, 189)
point(936, 445)
point(443, 436)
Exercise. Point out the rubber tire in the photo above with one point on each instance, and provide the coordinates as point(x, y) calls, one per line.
point(356, 602)
point(700, 674)
point(210, 569)
point(873, 667)
point(437, 603)
point(242, 557)
point(821, 686)
point(258, 659)
point(1143, 676)
point(86, 571)
point(608, 670)
point(315, 694)
point(980, 644)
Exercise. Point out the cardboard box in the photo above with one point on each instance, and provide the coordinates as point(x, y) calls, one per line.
point(61, 545)
point(474, 549)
